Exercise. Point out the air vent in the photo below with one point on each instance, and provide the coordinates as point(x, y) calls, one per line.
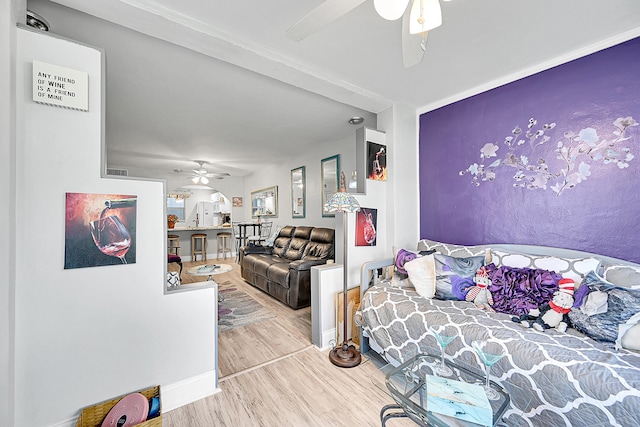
point(117, 172)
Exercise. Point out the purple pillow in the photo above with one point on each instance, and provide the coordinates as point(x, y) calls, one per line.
point(403, 256)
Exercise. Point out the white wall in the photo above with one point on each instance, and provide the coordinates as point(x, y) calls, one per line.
point(279, 174)
point(403, 203)
point(9, 13)
point(86, 335)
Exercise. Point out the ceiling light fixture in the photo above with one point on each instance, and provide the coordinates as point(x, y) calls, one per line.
point(36, 21)
point(356, 120)
point(201, 179)
point(418, 18)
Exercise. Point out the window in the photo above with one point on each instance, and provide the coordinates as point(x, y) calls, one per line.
point(176, 207)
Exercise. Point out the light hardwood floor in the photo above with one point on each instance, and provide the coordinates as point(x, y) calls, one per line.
point(271, 375)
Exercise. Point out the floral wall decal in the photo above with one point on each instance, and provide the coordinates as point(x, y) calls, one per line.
point(574, 155)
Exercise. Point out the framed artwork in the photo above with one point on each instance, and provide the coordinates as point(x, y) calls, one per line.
point(237, 202)
point(376, 161)
point(100, 229)
point(353, 303)
point(366, 227)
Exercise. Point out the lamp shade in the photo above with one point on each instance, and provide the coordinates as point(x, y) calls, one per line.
point(342, 201)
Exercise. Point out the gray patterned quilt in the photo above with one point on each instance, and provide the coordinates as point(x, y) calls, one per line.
point(554, 379)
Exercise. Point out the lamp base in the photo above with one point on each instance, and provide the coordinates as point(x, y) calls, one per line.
point(345, 356)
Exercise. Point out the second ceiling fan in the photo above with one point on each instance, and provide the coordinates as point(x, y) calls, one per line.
point(418, 17)
point(201, 175)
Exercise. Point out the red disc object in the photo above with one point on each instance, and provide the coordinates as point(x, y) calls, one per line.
point(129, 411)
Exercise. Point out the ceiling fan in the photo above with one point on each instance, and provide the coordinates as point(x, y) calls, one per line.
point(201, 175)
point(418, 17)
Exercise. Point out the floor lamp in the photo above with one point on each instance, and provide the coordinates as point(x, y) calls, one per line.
point(344, 355)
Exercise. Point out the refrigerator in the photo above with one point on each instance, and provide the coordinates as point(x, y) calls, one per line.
point(207, 215)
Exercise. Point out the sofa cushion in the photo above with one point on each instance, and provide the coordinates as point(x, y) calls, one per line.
point(320, 244)
point(297, 244)
point(281, 244)
point(278, 273)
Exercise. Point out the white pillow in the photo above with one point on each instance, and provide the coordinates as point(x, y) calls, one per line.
point(422, 273)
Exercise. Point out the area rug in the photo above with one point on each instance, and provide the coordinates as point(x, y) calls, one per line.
point(238, 308)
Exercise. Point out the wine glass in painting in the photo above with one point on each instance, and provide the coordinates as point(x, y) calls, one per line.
point(444, 335)
point(490, 352)
point(111, 237)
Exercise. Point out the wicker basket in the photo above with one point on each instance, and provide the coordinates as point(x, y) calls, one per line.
point(94, 415)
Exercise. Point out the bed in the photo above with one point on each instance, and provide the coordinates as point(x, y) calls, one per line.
point(554, 378)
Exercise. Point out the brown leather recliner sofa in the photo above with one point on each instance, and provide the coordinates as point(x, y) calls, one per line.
point(284, 270)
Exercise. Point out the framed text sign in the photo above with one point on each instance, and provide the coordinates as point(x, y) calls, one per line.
point(60, 86)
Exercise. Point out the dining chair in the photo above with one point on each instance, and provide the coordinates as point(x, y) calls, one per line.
point(236, 238)
point(265, 232)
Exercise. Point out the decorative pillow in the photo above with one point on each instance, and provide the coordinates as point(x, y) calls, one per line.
point(450, 270)
point(272, 238)
point(625, 276)
point(630, 338)
point(516, 291)
point(622, 303)
point(402, 256)
point(422, 273)
point(572, 268)
point(451, 249)
point(173, 279)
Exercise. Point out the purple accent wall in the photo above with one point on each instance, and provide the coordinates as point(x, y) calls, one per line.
point(572, 182)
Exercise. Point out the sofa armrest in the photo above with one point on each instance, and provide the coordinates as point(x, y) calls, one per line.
point(267, 250)
point(306, 263)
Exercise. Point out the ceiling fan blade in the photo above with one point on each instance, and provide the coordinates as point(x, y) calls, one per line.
point(425, 15)
point(413, 45)
point(390, 9)
point(321, 16)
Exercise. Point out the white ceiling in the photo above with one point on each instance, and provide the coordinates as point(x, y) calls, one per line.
point(219, 80)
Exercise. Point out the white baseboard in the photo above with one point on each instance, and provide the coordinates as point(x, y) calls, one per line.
point(188, 391)
point(328, 339)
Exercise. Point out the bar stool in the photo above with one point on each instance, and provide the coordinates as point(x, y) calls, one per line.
point(202, 251)
point(173, 243)
point(224, 245)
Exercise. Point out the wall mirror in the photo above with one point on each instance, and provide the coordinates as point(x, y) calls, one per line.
point(329, 175)
point(298, 192)
point(264, 202)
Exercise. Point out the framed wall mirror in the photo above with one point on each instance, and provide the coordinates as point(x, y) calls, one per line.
point(329, 177)
point(264, 202)
point(298, 192)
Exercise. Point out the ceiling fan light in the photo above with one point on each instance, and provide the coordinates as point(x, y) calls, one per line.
point(195, 179)
point(390, 9)
point(204, 180)
point(425, 15)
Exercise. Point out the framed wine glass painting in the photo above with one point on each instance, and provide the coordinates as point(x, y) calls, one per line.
point(366, 227)
point(100, 229)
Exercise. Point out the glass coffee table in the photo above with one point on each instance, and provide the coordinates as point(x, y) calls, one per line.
point(407, 384)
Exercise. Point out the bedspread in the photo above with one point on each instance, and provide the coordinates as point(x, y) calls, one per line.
point(562, 379)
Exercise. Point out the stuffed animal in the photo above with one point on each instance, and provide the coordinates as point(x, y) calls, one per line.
point(553, 314)
point(480, 294)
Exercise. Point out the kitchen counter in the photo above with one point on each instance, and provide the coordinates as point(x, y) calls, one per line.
point(200, 228)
